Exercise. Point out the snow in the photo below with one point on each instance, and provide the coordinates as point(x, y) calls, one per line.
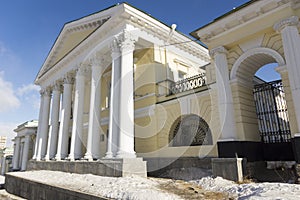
point(251, 190)
point(136, 187)
point(133, 187)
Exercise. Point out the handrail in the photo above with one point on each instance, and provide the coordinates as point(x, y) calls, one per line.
point(189, 83)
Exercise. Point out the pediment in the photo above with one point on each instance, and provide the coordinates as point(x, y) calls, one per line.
point(72, 34)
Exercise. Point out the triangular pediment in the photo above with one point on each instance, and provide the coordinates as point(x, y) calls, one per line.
point(72, 34)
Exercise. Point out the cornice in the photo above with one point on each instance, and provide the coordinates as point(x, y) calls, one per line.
point(241, 17)
point(163, 32)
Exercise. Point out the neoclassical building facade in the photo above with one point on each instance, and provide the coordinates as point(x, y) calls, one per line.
point(116, 84)
point(120, 84)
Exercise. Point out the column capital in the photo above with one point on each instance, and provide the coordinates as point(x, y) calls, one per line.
point(57, 86)
point(82, 69)
point(45, 91)
point(218, 50)
point(291, 21)
point(99, 61)
point(68, 79)
point(123, 42)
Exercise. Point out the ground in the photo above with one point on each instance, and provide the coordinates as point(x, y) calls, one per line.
point(135, 187)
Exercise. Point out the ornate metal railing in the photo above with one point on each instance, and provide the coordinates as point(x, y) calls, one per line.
point(188, 83)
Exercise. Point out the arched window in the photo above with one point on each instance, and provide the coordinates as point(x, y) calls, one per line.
point(190, 130)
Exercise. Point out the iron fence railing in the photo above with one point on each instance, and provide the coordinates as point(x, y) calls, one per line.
point(272, 113)
point(188, 84)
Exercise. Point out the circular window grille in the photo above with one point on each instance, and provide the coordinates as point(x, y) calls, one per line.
point(191, 130)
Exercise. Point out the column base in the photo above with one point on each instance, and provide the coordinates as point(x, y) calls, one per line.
point(88, 157)
point(108, 155)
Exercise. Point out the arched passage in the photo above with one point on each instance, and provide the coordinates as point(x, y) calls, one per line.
point(261, 109)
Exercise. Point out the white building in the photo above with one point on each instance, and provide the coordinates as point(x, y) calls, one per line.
point(24, 144)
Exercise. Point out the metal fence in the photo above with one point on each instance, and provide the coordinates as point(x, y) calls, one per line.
point(272, 113)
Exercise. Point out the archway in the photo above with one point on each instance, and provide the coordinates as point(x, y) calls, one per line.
point(190, 130)
point(262, 107)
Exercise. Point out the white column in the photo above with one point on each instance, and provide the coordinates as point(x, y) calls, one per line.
point(126, 102)
point(226, 109)
point(63, 134)
point(42, 146)
point(77, 129)
point(94, 131)
point(291, 45)
point(25, 153)
point(39, 125)
point(16, 157)
point(54, 124)
point(113, 126)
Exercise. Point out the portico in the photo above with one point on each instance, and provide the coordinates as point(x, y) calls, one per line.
point(74, 82)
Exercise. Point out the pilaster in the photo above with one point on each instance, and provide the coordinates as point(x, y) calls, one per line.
point(226, 110)
point(288, 28)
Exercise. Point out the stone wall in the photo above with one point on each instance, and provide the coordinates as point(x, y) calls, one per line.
point(35, 190)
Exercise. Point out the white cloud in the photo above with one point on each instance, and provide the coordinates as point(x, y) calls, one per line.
point(7, 129)
point(30, 94)
point(26, 89)
point(8, 100)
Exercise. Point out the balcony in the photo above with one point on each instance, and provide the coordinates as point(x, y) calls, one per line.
point(188, 84)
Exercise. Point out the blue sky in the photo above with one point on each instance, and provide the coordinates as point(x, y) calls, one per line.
point(30, 27)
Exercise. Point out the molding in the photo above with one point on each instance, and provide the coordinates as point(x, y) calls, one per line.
point(138, 113)
point(241, 17)
point(261, 50)
point(145, 96)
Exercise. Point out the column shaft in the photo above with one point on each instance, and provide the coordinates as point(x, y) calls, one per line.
point(63, 137)
point(16, 153)
point(42, 146)
point(94, 131)
point(39, 126)
point(77, 129)
point(113, 130)
point(25, 153)
point(126, 135)
point(54, 124)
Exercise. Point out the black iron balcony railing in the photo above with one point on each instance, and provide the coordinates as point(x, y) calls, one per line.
point(188, 83)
